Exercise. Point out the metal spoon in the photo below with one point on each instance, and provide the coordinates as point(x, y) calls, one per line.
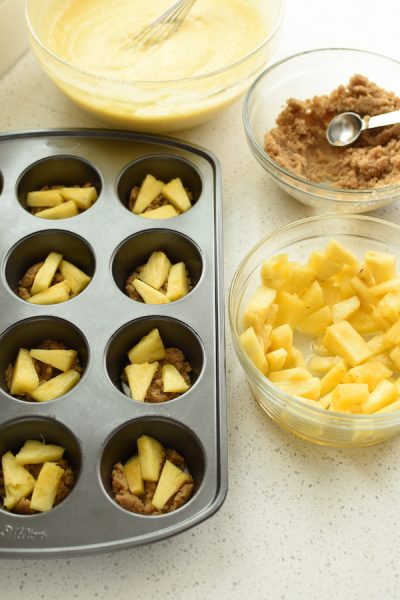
point(345, 128)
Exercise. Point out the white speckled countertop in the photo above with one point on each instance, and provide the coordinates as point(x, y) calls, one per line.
point(299, 522)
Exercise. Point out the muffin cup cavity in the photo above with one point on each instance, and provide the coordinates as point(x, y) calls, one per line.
point(66, 171)
point(36, 247)
point(136, 250)
point(173, 334)
point(121, 445)
point(29, 333)
point(162, 167)
point(13, 435)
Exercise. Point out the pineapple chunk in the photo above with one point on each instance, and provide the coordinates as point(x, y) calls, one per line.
point(264, 336)
point(322, 364)
point(336, 252)
point(345, 396)
point(47, 484)
point(171, 480)
point(62, 211)
point(296, 359)
point(310, 388)
point(55, 294)
point(178, 282)
point(156, 270)
point(59, 359)
point(296, 374)
point(149, 190)
point(149, 349)
point(392, 407)
point(342, 339)
point(258, 307)
point(392, 335)
point(24, 378)
point(133, 476)
point(317, 322)
point(173, 380)
point(139, 379)
point(176, 194)
point(364, 323)
point(56, 387)
point(299, 278)
point(333, 377)
point(388, 307)
point(43, 198)
point(274, 271)
point(362, 290)
point(290, 310)
point(167, 211)
point(391, 285)
point(345, 309)
point(151, 456)
point(323, 267)
point(271, 316)
point(371, 373)
point(34, 452)
point(365, 275)
point(18, 482)
point(313, 299)
point(332, 292)
point(276, 359)
point(254, 349)
point(385, 393)
point(148, 293)
point(83, 197)
point(381, 264)
point(282, 337)
point(378, 344)
point(395, 356)
point(45, 274)
point(77, 279)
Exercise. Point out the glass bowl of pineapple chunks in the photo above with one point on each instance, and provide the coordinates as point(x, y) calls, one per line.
point(314, 309)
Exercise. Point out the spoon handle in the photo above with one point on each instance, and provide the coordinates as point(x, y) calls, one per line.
point(381, 120)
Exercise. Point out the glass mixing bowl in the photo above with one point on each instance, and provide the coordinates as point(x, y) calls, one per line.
point(304, 76)
point(299, 239)
point(154, 106)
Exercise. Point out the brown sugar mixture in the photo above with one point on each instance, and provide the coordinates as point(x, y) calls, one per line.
point(298, 142)
point(134, 294)
point(142, 504)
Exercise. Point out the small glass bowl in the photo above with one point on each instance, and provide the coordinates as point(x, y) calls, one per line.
point(299, 239)
point(304, 76)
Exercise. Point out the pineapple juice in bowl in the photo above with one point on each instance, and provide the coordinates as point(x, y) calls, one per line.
point(307, 417)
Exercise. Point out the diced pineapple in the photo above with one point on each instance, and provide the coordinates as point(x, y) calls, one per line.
point(172, 380)
point(319, 349)
point(370, 372)
point(379, 343)
point(34, 452)
point(299, 278)
point(392, 407)
point(313, 299)
point(62, 211)
point(133, 476)
point(381, 264)
point(56, 387)
point(264, 336)
point(45, 274)
point(24, 378)
point(322, 364)
point(388, 307)
point(362, 290)
point(296, 359)
point(282, 337)
point(148, 294)
point(325, 401)
point(317, 322)
point(290, 309)
point(77, 279)
point(342, 339)
point(332, 292)
point(139, 378)
point(46, 487)
point(276, 359)
point(364, 322)
point(55, 294)
point(59, 359)
point(347, 395)
point(395, 356)
point(386, 287)
point(336, 252)
point(178, 282)
point(392, 335)
point(274, 271)
point(149, 349)
point(149, 190)
point(323, 267)
point(171, 480)
point(18, 482)
point(44, 198)
point(345, 309)
point(83, 197)
point(310, 388)
point(167, 211)
point(333, 377)
point(176, 194)
point(272, 314)
point(258, 307)
point(151, 456)
point(385, 393)
point(295, 374)
point(254, 349)
point(156, 270)
point(366, 275)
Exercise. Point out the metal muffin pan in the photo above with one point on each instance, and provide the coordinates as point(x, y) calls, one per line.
point(96, 421)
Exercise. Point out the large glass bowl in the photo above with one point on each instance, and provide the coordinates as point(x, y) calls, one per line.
point(299, 239)
point(154, 106)
point(304, 76)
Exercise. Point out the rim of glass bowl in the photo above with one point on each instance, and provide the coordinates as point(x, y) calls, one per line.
point(380, 420)
point(352, 194)
point(149, 82)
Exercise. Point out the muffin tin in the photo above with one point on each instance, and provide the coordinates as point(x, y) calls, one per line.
point(96, 421)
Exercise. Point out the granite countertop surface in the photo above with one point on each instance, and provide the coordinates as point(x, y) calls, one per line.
point(299, 521)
